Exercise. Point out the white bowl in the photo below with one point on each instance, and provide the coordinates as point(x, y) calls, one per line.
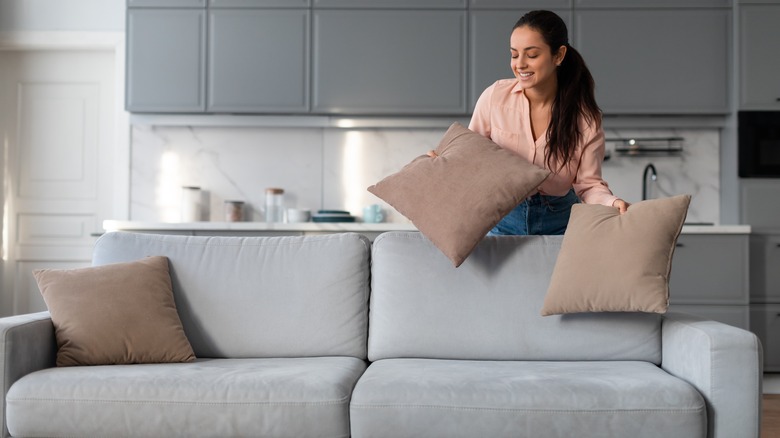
point(297, 215)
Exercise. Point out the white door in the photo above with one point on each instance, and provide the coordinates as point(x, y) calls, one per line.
point(57, 132)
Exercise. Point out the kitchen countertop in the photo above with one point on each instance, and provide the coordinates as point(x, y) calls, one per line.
point(116, 225)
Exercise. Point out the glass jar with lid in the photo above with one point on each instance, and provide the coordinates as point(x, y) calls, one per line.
point(274, 204)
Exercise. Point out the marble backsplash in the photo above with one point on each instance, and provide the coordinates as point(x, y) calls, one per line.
point(330, 168)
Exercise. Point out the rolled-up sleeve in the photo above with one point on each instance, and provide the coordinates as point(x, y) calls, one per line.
point(588, 183)
point(480, 119)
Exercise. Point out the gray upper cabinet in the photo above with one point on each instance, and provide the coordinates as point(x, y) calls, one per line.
point(489, 57)
point(391, 4)
point(166, 3)
point(759, 82)
point(258, 60)
point(520, 6)
point(389, 62)
point(651, 3)
point(287, 4)
point(668, 61)
point(166, 60)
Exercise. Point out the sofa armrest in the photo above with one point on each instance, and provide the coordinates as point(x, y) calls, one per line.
point(27, 344)
point(724, 363)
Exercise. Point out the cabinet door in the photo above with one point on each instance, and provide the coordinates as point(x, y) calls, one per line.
point(389, 62)
point(765, 268)
point(260, 3)
point(166, 60)
point(650, 3)
point(672, 61)
point(489, 57)
point(765, 323)
point(258, 60)
point(738, 316)
point(759, 41)
point(166, 3)
point(520, 7)
point(710, 269)
point(391, 4)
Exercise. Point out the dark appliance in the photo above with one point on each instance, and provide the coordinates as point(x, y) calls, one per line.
point(759, 144)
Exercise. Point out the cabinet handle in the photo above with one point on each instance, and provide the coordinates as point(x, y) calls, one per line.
point(680, 245)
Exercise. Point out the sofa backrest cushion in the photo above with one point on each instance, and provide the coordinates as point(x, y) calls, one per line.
point(488, 308)
point(261, 296)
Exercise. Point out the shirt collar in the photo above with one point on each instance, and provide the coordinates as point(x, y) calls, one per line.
point(518, 88)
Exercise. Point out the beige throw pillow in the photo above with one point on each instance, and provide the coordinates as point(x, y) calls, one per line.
point(617, 263)
point(455, 198)
point(121, 313)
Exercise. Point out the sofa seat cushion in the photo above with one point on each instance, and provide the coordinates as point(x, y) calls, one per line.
point(448, 398)
point(209, 397)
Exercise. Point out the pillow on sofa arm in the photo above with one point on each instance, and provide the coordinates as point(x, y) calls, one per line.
point(120, 313)
point(455, 198)
point(610, 262)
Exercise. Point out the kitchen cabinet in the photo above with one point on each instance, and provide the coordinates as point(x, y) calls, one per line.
point(258, 61)
point(166, 60)
point(429, 57)
point(765, 294)
point(166, 3)
point(710, 269)
point(657, 61)
point(650, 3)
point(738, 316)
point(765, 323)
point(389, 62)
point(489, 57)
point(710, 277)
point(759, 42)
point(519, 7)
point(765, 268)
point(760, 202)
point(391, 4)
point(287, 4)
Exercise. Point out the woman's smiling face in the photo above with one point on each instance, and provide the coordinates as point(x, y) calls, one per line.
point(533, 63)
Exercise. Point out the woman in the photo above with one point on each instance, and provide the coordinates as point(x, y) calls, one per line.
point(548, 114)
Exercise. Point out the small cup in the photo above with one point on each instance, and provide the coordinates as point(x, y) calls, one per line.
point(372, 214)
point(296, 215)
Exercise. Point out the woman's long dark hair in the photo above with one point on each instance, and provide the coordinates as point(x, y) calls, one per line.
point(575, 98)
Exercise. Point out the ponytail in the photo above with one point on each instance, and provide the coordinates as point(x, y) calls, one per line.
point(574, 101)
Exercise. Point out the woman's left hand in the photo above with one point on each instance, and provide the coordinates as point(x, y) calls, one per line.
point(621, 205)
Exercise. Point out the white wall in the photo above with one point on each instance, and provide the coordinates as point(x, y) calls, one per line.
point(330, 168)
point(62, 15)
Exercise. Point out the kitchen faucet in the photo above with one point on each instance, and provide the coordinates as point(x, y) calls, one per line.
point(653, 175)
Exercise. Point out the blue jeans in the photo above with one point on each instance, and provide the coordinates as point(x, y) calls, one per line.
point(539, 214)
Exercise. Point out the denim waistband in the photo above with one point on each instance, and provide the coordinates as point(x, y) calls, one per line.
point(539, 199)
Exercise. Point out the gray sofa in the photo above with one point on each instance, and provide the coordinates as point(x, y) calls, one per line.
point(289, 344)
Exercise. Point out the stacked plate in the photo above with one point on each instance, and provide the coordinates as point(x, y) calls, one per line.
point(332, 216)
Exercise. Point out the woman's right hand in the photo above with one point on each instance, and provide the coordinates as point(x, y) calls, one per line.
point(621, 205)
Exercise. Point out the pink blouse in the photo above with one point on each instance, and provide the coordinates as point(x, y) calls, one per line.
point(503, 114)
